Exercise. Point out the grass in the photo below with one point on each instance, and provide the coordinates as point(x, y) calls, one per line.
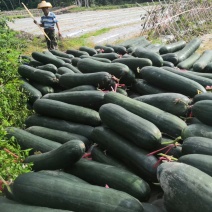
point(98, 32)
point(107, 7)
point(39, 43)
point(156, 41)
point(36, 45)
point(75, 43)
point(17, 16)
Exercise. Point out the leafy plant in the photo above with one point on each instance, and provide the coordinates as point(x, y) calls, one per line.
point(13, 102)
point(11, 160)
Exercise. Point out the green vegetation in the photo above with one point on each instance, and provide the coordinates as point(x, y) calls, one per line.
point(106, 7)
point(75, 43)
point(13, 109)
point(39, 44)
point(11, 112)
point(15, 4)
point(185, 27)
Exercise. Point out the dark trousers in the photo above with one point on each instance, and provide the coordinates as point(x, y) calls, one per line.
point(51, 34)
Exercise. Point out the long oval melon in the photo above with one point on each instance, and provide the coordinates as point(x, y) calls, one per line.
point(179, 182)
point(73, 68)
point(44, 89)
point(89, 99)
point(66, 60)
point(139, 41)
point(70, 195)
point(202, 110)
point(197, 145)
point(208, 68)
point(119, 70)
point(144, 88)
point(133, 157)
point(156, 59)
point(171, 81)
point(166, 122)
point(149, 207)
point(172, 47)
point(62, 175)
point(64, 70)
point(189, 49)
point(29, 141)
point(35, 63)
point(201, 80)
point(67, 112)
point(170, 57)
point(59, 124)
point(37, 75)
point(199, 161)
point(75, 60)
point(104, 49)
point(61, 54)
point(76, 53)
point(32, 93)
point(111, 56)
point(188, 63)
point(136, 129)
point(96, 58)
point(48, 53)
point(207, 75)
point(90, 51)
point(81, 88)
point(64, 156)
point(47, 58)
point(103, 80)
point(11, 206)
point(101, 174)
point(167, 63)
point(57, 135)
point(130, 51)
point(119, 49)
point(203, 61)
point(173, 103)
point(194, 130)
point(48, 67)
point(202, 96)
point(135, 64)
point(121, 91)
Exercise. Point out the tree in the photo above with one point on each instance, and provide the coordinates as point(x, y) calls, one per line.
point(78, 3)
point(5, 4)
point(86, 3)
point(11, 4)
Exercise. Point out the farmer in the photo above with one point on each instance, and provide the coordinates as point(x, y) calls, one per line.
point(48, 22)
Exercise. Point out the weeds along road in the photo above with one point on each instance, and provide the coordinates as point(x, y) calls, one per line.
point(124, 23)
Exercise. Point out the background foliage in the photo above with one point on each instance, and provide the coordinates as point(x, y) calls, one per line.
point(15, 4)
point(13, 109)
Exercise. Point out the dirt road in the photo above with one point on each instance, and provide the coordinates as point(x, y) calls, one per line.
point(124, 24)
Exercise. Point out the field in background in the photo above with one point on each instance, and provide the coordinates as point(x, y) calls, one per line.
point(161, 22)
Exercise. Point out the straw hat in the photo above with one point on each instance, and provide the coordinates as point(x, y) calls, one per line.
point(44, 4)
